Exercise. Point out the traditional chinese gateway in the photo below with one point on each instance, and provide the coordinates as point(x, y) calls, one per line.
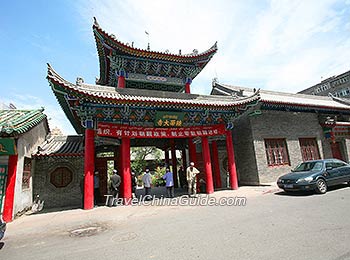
point(143, 98)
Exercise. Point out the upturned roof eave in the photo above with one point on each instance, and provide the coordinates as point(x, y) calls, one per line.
point(117, 98)
point(189, 58)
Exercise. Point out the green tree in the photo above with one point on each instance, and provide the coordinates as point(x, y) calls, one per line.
point(139, 154)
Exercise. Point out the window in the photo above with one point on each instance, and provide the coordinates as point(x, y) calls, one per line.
point(276, 152)
point(26, 173)
point(61, 177)
point(309, 149)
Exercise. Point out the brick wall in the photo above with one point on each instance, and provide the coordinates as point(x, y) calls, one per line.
point(290, 126)
point(69, 196)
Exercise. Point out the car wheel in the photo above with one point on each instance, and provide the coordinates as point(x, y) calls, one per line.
point(321, 186)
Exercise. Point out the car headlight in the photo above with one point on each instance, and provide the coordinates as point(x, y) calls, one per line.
point(307, 179)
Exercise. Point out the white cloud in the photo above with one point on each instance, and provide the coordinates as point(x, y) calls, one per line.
point(277, 44)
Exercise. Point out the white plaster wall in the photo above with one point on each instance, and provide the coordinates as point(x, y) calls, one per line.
point(27, 145)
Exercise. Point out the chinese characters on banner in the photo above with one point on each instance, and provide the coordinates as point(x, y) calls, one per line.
point(115, 130)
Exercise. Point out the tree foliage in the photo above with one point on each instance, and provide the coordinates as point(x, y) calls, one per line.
point(139, 155)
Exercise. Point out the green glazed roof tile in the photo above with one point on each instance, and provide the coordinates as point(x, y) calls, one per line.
point(15, 121)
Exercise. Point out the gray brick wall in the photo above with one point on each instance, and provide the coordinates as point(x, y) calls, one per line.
point(246, 163)
point(53, 197)
point(287, 125)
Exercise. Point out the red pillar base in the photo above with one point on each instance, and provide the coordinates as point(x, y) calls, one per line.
point(231, 161)
point(207, 165)
point(89, 167)
point(126, 173)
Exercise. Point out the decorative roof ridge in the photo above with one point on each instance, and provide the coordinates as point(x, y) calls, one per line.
point(277, 93)
point(267, 96)
point(164, 55)
point(345, 101)
point(52, 74)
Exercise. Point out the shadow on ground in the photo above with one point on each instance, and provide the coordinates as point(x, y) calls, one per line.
point(310, 193)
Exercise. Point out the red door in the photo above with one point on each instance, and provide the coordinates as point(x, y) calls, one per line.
point(336, 151)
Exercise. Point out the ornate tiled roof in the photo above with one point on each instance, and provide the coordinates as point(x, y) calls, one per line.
point(15, 122)
point(129, 50)
point(284, 99)
point(61, 146)
point(111, 95)
point(116, 56)
point(84, 102)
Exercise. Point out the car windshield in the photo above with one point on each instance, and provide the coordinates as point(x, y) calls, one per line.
point(309, 166)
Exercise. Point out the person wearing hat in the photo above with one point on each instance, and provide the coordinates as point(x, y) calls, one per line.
point(115, 183)
point(147, 181)
point(191, 176)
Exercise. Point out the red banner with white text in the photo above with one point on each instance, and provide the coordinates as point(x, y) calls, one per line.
point(116, 130)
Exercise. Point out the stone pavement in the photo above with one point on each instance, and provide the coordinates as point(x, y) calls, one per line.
point(73, 219)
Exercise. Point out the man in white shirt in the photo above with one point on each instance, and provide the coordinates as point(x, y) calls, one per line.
point(191, 176)
point(147, 181)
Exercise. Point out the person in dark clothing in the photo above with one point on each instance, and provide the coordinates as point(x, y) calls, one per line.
point(115, 183)
point(133, 184)
point(182, 176)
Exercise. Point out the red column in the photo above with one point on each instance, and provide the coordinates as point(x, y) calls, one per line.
point(187, 85)
point(174, 163)
point(192, 150)
point(121, 82)
point(216, 165)
point(89, 165)
point(121, 79)
point(187, 88)
point(10, 188)
point(126, 174)
point(231, 161)
point(207, 165)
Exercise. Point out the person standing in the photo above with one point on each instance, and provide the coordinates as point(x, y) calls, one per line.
point(115, 183)
point(169, 183)
point(96, 188)
point(147, 180)
point(182, 176)
point(133, 183)
point(191, 174)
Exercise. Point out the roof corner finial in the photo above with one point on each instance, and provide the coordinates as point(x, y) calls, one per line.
point(95, 22)
point(148, 45)
point(214, 81)
point(180, 52)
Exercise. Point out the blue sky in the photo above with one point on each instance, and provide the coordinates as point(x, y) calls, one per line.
point(277, 45)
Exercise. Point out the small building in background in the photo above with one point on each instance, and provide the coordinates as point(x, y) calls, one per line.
point(21, 132)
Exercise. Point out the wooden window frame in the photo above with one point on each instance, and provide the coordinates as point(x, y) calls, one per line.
point(309, 149)
point(276, 152)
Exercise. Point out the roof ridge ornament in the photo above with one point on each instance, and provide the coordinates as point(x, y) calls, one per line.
point(96, 23)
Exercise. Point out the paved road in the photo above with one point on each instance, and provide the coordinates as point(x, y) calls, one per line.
point(272, 225)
